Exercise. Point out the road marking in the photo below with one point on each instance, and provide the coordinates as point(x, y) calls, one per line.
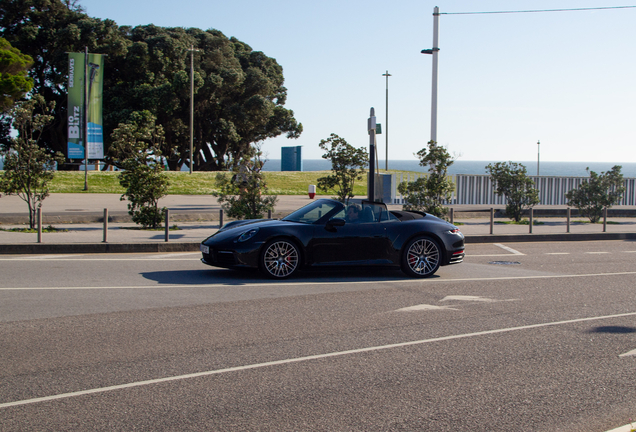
point(489, 255)
point(304, 359)
point(424, 307)
point(630, 353)
point(467, 298)
point(509, 249)
point(57, 258)
point(296, 284)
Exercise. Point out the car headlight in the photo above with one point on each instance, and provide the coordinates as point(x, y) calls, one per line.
point(247, 235)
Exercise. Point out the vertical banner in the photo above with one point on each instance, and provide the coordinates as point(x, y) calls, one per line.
point(75, 141)
point(95, 88)
point(76, 89)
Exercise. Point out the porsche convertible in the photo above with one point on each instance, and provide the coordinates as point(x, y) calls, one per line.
point(328, 233)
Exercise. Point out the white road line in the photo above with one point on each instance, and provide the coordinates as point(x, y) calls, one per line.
point(516, 252)
point(487, 255)
point(630, 353)
point(303, 359)
point(98, 259)
point(296, 284)
point(423, 307)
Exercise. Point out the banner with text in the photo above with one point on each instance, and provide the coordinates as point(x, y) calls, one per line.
point(76, 89)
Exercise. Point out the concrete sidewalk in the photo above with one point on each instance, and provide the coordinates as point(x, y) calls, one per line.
point(197, 217)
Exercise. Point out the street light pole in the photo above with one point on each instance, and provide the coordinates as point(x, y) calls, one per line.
point(434, 51)
point(192, 50)
point(538, 152)
point(386, 127)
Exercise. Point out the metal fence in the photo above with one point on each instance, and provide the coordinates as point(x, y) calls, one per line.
point(479, 189)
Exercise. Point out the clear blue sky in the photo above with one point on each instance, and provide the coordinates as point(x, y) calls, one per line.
point(505, 80)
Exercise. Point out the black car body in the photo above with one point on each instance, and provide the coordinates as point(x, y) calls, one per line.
point(318, 234)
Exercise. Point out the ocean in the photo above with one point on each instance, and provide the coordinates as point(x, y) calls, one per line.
point(562, 169)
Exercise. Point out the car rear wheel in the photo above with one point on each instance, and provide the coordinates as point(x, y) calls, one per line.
point(421, 258)
point(280, 259)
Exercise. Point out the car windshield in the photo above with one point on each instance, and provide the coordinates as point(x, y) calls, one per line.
point(367, 212)
point(313, 212)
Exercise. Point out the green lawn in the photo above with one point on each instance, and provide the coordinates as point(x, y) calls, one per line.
point(197, 183)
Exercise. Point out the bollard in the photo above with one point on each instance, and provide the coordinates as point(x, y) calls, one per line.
point(220, 218)
point(531, 219)
point(605, 219)
point(269, 214)
point(568, 219)
point(39, 225)
point(492, 220)
point(105, 226)
point(167, 225)
point(452, 215)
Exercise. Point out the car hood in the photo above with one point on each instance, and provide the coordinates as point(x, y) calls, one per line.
point(236, 228)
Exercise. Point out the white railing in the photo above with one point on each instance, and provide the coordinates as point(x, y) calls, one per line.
point(479, 189)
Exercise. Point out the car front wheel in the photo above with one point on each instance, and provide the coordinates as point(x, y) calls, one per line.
point(421, 258)
point(280, 259)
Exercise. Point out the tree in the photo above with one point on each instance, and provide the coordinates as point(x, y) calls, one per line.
point(14, 82)
point(28, 168)
point(599, 192)
point(429, 193)
point(241, 194)
point(136, 149)
point(239, 93)
point(347, 166)
point(511, 180)
point(47, 30)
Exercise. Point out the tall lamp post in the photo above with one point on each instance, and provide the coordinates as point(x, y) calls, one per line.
point(434, 51)
point(538, 152)
point(386, 127)
point(192, 50)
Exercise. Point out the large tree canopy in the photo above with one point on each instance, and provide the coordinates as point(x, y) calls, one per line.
point(47, 30)
point(14, 82)
point(239, 95)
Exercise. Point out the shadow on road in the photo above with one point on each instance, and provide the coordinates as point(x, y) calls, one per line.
point(243, 277)
point(612, 329)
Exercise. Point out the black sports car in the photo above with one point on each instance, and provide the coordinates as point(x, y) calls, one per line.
point(328, 233)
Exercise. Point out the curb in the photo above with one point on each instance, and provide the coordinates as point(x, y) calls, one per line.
point(87, 248)
point(523, 238)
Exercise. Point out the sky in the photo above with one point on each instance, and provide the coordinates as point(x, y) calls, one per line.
point(506, 81)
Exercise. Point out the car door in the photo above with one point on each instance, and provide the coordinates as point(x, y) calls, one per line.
point(359, 243)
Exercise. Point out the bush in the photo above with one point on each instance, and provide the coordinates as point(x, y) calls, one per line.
point(511, 180)
point(429, 193)
point(28, 168)
point(241, 193)
point(599, 192)
point(347, 165)
point(135, 148)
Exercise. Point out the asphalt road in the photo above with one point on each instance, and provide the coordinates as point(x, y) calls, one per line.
point(521, 336)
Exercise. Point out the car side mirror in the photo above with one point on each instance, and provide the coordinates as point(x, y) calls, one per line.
point(335, 222)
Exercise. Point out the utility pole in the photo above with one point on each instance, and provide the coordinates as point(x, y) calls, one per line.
point(192, 50)
point(538, 151)
point(386, 127)
point(434, 51)
point(371, 125)
point(85, 125)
